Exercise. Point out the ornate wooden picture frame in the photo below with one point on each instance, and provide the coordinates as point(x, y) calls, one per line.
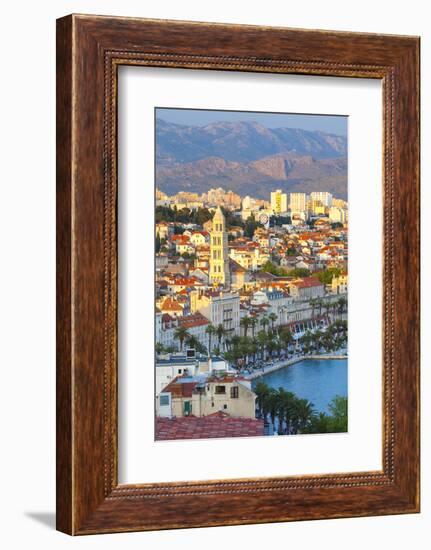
point(89, 51)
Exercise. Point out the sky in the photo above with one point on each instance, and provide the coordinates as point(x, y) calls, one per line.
point(333, 124)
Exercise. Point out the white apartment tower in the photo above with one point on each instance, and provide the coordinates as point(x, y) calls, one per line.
point(298, 202)
point(323, 196)
point(219, 252)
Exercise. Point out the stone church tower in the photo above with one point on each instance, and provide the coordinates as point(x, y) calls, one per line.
point(219, 253)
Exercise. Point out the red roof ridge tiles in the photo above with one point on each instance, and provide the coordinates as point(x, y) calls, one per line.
point(215, 425)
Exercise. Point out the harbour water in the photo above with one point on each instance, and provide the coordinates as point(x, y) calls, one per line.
point(318, 380)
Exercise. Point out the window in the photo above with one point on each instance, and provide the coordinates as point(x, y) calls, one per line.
point(220, 389)
point(180, 371)
point(164, 400)
point(225, 406)
point(234, 392)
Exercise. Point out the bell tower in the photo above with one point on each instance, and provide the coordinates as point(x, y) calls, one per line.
point(219, 253)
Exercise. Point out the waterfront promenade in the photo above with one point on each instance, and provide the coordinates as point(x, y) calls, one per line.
point(296, 359)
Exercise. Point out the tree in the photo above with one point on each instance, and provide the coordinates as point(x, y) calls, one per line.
point(272, 317)
point(303, 414)
point(341, 303)
point(160, 348)
point(262, 391)
point(299, 272)
point(210, 330)
point(313, 303)
point(245, 323)
point(286, 338)
point(336, 422)
point(327, 275)
point(221, 333)
point(253, 323)
point(264, 322)
point(181, 334)
point(270, 267)
point(250, 226)
point(338, 410)
point(272, 404)
point(194, 343)
point(262, 341)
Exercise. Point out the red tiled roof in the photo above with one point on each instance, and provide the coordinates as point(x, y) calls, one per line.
point(215, 425)
point(170, 305)
point(308, 282)
point(194, 320)
point(180, 239)
point(186, 281)
point(180, 389)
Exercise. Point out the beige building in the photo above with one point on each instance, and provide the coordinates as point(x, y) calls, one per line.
point(298, 202)
point(323, 196)
point(186, 396)
point(338, 214)
point(219, 254)
point(339, 284)
point(220, 308)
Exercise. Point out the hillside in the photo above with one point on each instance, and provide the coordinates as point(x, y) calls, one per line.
point(249, 159)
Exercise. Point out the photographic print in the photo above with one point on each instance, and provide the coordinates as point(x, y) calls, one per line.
point(251, 274)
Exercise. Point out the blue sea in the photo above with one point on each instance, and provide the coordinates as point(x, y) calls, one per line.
point(318, 380)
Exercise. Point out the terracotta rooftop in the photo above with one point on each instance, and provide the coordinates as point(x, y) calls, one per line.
point(308, 282)
point(170, 305)
point(178, 388)
point(215, 425)
point(194, 320)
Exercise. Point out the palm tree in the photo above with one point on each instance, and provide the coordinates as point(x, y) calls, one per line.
point(262, 391)
point(194, 343)
point(253, 323)
point(216, 351)
point(273, 404)
point(313, 304)
point(272, 317)
point(245, 323)
point(210, 330)
point(303, 414)
point(221, 333)
point(319, 303)
point(181, 334)
point(264, 322)
point(287, 401)
point(271, 346)
point(262, 341)
point(286, 338)
point(327, 306)
point(341, 303)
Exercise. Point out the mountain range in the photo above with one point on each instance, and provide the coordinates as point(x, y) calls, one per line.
point(249, 159)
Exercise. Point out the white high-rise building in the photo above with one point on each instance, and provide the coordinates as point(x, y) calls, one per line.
point(323, 196)
point(338, 215)
point(298, 202)
point(278, 202)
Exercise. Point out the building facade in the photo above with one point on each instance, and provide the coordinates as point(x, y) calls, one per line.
point(278, 202)
point(298, 202)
